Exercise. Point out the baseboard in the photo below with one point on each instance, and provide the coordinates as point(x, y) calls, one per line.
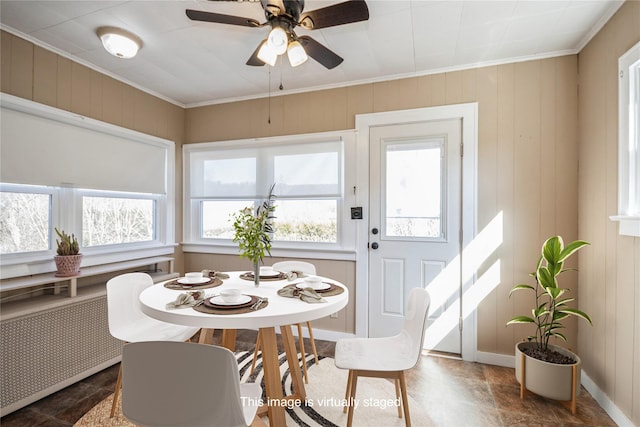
point(319, 334)
point(603, 400)
point(323, 334)
point(496, 359)
point(598, 395)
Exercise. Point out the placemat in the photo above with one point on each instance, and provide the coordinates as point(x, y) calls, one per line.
point(174, 284)
point(332, 291)
point(249, 276)
point(241, 310)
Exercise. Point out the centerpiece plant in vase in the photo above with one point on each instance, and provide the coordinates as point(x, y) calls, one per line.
point(546, 369)
point(253, 229)
point(68, 256)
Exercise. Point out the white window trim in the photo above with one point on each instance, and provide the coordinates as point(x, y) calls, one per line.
point(629, 222)
point(345, 250)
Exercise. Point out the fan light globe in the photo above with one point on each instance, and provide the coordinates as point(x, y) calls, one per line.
point(118, 42)
point(296, 54)
point(278, 40)
point(267, 55)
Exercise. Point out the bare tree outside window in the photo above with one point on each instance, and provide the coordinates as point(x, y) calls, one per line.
point(114, 220)
point(24, 222)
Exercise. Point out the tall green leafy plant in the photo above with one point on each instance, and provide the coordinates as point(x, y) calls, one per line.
point(253, 229)
point(551, 306)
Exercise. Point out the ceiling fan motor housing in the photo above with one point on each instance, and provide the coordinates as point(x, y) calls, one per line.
point(287, 8)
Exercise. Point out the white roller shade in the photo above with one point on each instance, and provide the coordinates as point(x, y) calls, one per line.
point(305, 169)
point(46, 146)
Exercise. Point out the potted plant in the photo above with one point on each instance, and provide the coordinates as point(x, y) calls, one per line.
point(253, 232)
point(68, 258)
point(546, 369)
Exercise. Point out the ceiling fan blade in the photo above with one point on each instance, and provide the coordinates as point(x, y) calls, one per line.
point(254, 60)
point(198, 15)
point(337, 14)
point(320, 53)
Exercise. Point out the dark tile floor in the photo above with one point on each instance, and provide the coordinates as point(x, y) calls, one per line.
point(452, 392)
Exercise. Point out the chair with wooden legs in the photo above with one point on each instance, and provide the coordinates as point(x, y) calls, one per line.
point(285, 267)
point(128, 323)
point(387, 357)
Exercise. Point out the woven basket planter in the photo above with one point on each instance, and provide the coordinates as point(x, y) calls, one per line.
point(68, 265)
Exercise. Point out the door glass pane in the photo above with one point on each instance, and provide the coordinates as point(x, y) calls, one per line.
point(414, 183)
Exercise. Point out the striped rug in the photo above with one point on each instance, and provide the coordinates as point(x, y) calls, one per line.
point(323, 407)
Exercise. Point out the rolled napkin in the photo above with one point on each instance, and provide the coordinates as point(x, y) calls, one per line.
point(212, 273)
point(306, 294)
point(293, 275)
point(186, 300)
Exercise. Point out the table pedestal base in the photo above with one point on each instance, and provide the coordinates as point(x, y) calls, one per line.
point(276, 401)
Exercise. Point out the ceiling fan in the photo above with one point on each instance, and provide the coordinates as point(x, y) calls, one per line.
point(283, 16)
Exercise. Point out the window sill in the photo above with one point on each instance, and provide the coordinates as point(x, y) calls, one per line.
point(45, 264)
point(628, 225)
point(332, 254)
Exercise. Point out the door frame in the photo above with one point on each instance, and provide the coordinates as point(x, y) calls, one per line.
point(468, 113)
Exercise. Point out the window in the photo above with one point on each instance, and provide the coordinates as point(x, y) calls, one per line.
point(120, 207)
point(108, 219)
point(25, 219)
point(308, 171)
point(629, 145)
point(115, 219)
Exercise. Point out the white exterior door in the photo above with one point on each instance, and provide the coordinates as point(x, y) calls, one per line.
point(415, 225)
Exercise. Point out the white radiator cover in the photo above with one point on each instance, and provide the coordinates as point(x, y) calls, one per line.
point(43, 352)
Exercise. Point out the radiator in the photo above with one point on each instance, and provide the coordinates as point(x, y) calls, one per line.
point(43, 352)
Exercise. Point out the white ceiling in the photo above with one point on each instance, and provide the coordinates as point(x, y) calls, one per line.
point(196, 63)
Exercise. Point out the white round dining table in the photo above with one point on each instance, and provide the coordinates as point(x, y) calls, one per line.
point(280, 312)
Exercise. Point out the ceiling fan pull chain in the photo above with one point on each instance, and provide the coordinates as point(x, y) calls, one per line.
point(269, 100)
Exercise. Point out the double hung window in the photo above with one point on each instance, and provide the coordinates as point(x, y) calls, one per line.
point(309, 178)
point(109, 186)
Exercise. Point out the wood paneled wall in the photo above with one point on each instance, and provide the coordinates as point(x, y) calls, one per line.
point(530, 140)
point(34, 73)
point(527, 156)
point(610, 268)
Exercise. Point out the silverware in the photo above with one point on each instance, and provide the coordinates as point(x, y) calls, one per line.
point(256, 305)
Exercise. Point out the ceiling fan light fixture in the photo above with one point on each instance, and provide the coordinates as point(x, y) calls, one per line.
point(296, 53)
point(118, 42)
point(278, 40)
point(267, 54)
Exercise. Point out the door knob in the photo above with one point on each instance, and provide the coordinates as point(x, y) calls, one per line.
point(374, 245)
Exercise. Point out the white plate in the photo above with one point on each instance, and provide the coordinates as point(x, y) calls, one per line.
point(270, 274)
point(315, 287)
point(243, 299)
point(185, 281)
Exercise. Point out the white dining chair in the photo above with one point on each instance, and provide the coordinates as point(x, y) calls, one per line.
point(128, 323)
point(186, 384)
point(387, 357)
point(286, 267)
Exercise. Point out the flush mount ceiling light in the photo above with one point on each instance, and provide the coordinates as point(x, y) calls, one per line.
point(119, 42)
